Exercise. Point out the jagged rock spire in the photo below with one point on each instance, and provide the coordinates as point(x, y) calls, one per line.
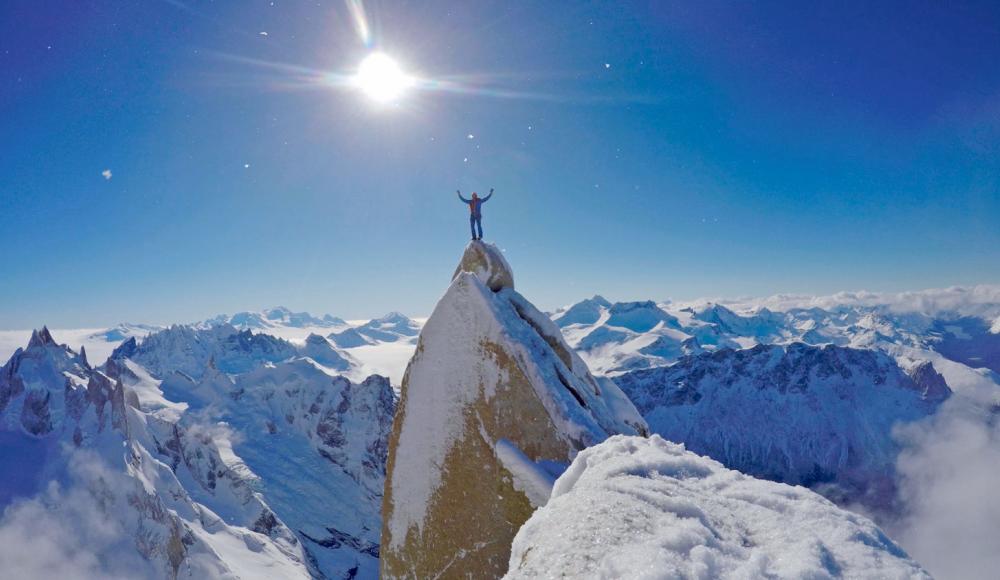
point(491, 396)
point(41, 338)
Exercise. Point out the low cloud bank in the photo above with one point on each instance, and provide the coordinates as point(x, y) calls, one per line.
point(949, 490)
point(70, 531)
point(981, 301)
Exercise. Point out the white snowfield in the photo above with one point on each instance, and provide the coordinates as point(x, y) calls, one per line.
point(646, 508)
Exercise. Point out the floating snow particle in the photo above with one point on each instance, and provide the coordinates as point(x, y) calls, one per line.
point(107, 174)
point(262, 33)
point(471, 136)
point(246, 166)
point(465, 160)
point(607, 65)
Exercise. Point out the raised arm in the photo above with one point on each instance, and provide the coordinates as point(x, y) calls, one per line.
point(459, 192)
point(487, 198)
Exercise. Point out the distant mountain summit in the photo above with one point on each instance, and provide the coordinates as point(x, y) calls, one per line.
point(393, 327)
point(278, 316)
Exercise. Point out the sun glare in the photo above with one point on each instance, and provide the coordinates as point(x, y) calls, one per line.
point(380, 77)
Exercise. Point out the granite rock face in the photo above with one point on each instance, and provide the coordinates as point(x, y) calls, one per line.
point(493, 402)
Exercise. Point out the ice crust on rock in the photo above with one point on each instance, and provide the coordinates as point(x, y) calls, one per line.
point(646, 508)
point(492, 397)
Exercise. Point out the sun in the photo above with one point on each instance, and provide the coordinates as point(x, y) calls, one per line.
point(381, 78)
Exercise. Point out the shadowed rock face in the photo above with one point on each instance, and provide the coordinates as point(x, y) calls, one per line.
point(489, 367)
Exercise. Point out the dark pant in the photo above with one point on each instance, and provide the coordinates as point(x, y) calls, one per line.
point(476, 221)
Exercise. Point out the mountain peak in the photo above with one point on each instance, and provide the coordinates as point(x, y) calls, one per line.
point(601, 301)
point(487, 263)
point(393, 316)
point(41, 338)
point(491, 397)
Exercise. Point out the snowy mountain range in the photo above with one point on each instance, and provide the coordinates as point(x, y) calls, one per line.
point(95, 463)
point(802, 390)
point(618, 337)
point(255, 444)
point(794, 413)
point(275, 318)
point(235, 453)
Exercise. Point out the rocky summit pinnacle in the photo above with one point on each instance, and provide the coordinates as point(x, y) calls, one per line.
point(487, 263)
point(41, 338)
point(494, 403)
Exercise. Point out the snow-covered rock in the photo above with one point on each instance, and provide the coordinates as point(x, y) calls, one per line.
point(274, 318)
point(188, 350)
point(322, 351)
point(586, 312)
point(799, 414)
point(647, 508)
point(316, 445)
point(389, 328)
point(492, 396)
point(486, 262)
point(638, 316)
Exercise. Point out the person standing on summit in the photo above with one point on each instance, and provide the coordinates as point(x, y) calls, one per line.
point(476, 212)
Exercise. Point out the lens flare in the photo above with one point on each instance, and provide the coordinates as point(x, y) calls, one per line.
point(380, 77)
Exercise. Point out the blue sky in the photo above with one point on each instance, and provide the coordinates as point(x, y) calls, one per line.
point(639, 150)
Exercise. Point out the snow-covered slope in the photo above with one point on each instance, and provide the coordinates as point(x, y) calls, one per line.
point(284, 460)
point(646, 508)
point(492, 395)
point(798, 414)
point(316, 445)
point(81, 458)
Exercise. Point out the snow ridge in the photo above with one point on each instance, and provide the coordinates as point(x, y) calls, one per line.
point(643, 508)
